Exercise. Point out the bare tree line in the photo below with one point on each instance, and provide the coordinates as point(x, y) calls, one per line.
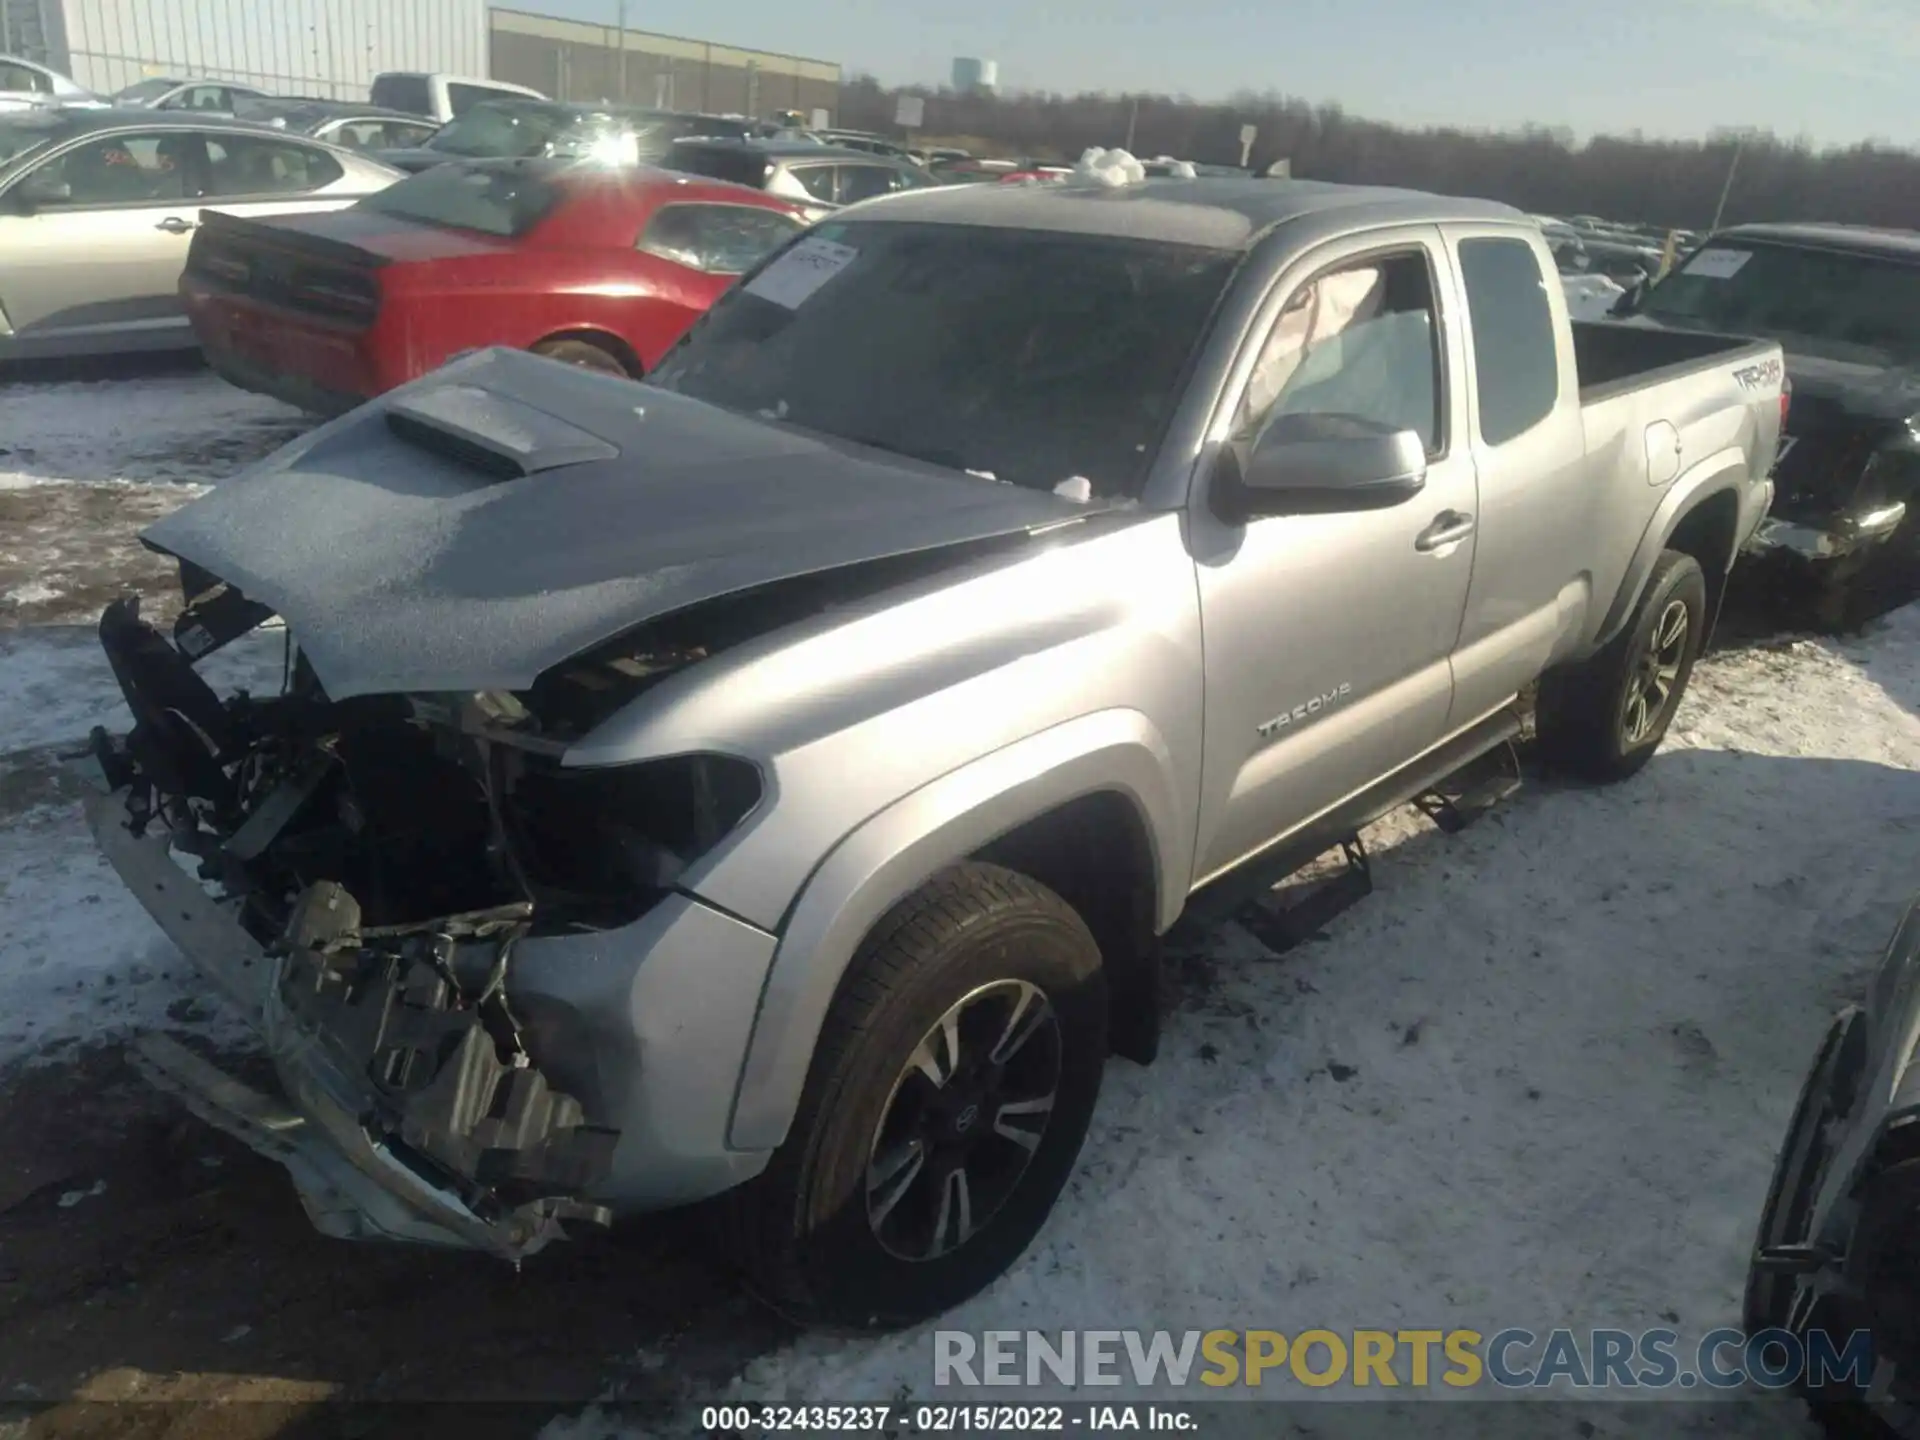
point(1626, 178)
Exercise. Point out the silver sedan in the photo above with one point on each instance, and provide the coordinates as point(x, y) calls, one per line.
point(97, 208)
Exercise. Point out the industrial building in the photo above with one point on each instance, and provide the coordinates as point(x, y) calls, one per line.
point(336, 47)
point(574, 61)
point(290, 47)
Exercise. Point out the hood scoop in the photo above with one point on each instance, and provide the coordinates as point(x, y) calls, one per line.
point(500, 437)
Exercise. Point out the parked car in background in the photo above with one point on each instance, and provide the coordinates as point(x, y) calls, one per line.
point(602, 267)
point(820, 178)
point(774, 778)
point(1844, 303)
point(347, 123)
point(968, 170)
point(660, 128)
point(1590, 297)
point(867, 141)
point(542, 130)
point(98, 207)
point(1626, 262)
point(218, 97)
point(438, 96)
point(22, 82)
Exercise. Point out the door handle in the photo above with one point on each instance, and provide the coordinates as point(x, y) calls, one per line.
point(174, 225)
point(1447, 527)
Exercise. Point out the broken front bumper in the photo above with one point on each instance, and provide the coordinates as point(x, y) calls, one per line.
point(673, 994)
point(1833, 538)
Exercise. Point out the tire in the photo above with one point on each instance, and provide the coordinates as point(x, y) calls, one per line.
point(586, 354)
point(1589, 716)
point(805, 1230)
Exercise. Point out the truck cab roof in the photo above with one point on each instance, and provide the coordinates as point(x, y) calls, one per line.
point(1219, 213)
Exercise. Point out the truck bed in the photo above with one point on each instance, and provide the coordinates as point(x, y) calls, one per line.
point(1611, 357)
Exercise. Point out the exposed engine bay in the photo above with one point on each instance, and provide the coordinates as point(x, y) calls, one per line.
point(389, 852)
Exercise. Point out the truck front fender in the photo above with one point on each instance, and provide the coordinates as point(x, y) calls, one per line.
point(890, 855)
point(1726, 472)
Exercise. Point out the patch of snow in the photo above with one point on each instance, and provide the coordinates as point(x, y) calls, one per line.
point(1109, 168)
point(1076, 487)
point(1539, 1079)
point(80, 960)
point(56, 685)
point(193, 427)
point(85, 466)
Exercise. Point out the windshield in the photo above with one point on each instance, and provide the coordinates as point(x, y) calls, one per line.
point(507, 202)
point(1032, 357)
point(508, 132)
point(145, 90)
point(1822, 303)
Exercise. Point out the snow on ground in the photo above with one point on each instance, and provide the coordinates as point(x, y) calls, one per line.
point(1537, 1079)
point(103, 459)
point(79, 959)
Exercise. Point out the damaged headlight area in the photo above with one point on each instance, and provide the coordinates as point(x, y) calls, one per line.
point(389, 852)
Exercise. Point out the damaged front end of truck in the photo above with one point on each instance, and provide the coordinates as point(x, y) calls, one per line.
point(440, 860)
point(362, 874)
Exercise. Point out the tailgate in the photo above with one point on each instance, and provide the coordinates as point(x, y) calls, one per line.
point(285, 267)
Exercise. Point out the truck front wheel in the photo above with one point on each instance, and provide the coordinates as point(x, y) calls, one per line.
point(948, 1097)
point(1603, 720)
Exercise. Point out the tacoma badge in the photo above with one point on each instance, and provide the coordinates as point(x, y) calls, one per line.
point(1323, 701)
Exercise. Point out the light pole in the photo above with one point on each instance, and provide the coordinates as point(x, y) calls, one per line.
point(1732, 165)
point(623, 52)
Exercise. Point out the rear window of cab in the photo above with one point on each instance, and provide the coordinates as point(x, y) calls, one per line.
point(506, 202)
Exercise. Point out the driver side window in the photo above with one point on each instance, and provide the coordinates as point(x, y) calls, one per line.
point(1361, 340)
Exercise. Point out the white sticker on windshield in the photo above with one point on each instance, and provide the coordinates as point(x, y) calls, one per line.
point(1717, 264)
point(802, 270)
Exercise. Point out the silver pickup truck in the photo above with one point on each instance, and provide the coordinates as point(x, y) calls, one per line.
point(775, 778)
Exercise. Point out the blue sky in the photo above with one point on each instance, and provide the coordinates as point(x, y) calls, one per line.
point(1836, 71)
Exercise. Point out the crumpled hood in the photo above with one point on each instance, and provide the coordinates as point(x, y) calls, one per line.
point(476, 528)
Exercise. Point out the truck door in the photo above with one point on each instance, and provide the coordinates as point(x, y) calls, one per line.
point(1531, 575)
point(1327, 635)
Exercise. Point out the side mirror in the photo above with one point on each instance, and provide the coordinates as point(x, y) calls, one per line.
point(1320, 464)
point(1629, 300)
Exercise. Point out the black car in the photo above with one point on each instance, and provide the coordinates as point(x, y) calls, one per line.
point(549, 129)
point(347, 123)
point(1844, 303)
point(1837, 1254)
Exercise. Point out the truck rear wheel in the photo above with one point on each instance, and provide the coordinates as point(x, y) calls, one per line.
point(1604, 719)
point(949, 1094)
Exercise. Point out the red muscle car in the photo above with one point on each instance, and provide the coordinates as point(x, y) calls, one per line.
point(602, 266)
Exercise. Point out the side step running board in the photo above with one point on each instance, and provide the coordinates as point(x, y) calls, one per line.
point(1473, 790)
point(1226, 896)
point(1280, 927)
